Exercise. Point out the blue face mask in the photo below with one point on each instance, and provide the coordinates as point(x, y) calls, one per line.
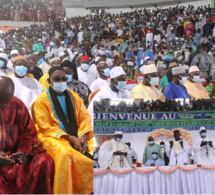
point(164, 66)
point(84, 67)
point(151, 142)
point(106, 72)
point(69, 78)
point(154, 81)
point(59, 86)
point(196, 79)
point(1, 63)
point(162, 146)
point(154, 156)
point(12, 59)
point(21, 71)
point(118, 139)
point(26, 56)
point(203, 134)
point(121, 85)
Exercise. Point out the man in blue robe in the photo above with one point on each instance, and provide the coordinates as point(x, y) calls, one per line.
point(155, 161)
point(176, 89)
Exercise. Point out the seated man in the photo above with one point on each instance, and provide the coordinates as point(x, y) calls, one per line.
point(114, 153)
point(32, 171)
point(147, 89)
point(64, 129)
point(26, 89)
point(4, 70)
point(178, 151)
point(194, 88)
point(176, 89)
point(148, 150)
point(155, 161)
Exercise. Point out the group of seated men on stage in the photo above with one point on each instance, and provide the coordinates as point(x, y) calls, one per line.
point(118, 154)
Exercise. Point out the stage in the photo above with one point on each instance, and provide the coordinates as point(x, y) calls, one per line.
point(190, 179)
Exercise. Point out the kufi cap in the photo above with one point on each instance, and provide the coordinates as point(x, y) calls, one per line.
point(4, 55)
point(109, 62)
point(118, 132)
point(150, 138)
point(19, 58)
point(202, 129)
point(178, 70)
point(176, 131)
point(54, 59)
point(14, 52)
point(147, 69)
point(146, 58)
point(39, 40)
point(116, 72)
point(186, 67)
point(193, 69)
point(173, 64)
point(85, 58)
point(97, 59)
point(62, 42)
point(55, 68)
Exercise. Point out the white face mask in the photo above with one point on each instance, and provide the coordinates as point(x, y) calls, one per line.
point(130, 63)
point(196, 79)
point(183, 80)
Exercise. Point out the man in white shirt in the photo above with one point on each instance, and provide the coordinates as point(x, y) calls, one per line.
point(13, 54)
point(26, 89)
point(103, 80)
point(203, 149)
point(4, 70)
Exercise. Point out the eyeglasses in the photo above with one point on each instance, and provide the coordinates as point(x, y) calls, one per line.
point(58, 79)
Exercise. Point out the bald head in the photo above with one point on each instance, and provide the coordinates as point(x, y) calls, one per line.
point(6, 90)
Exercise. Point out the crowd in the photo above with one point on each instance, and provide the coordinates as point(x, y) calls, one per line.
point(30, 10)
point(57, 70)
point(155, 106)
point(115, 153)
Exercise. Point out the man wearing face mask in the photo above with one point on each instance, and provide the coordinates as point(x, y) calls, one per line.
point(38, 46)
point(176, 89)
point(4, 70)
point(114, 153)
point(155, 160)
point(13, 54)
point(142, 53)
point(203, 149)
point(64, 130)
point(168, 77)
point(45, 66)
point(30, 88)
point(194, 88)
point(163, 70)
point(147, 89)
point(84, 73)
point(130, 71)
point(178, 150)
point(204, 61)
point(102, 80)
point(132, 155)
point(149, 148)
point(166, 159)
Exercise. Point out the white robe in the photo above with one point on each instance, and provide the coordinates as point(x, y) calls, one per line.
point(107, 93)
point(199, 153)
point(26, 89)
point(93, 69)
point(80, 37)
point(86, 77)
point(149, 37)
point(106, 157)
point(99, 84)
point(45, 67)
point(5, 72)
point(131, 153)
point(10, 64)
point(178, 155)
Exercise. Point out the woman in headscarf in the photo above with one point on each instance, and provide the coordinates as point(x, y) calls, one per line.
point(73, 83)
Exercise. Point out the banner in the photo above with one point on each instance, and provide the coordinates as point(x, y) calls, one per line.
point(107, 123)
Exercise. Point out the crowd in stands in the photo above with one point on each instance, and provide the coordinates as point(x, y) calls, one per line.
point(30, 10)
point(169, 105)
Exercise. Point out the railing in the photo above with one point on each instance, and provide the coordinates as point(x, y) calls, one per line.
point(30, 16)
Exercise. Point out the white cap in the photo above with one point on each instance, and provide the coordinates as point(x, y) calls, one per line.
point(48, 55)
point(146, 58)
point(62, 42)
point(39, 40)
point(118, 132)
point(1, 50)
point(193, 69)
point(116, 72)
point(102, 62)
point(14, 52)
point(149, 69)
point(178, 70)
point(186, 67)
point(54, 59)
point(4, 55)
point(97, 59)
point(100, 52)
point(109, 62)
point(202, 128)
point(61, 54)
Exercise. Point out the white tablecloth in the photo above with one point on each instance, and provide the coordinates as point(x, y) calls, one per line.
point(199, 181)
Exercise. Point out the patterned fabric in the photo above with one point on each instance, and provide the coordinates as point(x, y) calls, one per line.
point(18, 134)
point(81, 89)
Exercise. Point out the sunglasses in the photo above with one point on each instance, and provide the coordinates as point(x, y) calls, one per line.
point(58, 79)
